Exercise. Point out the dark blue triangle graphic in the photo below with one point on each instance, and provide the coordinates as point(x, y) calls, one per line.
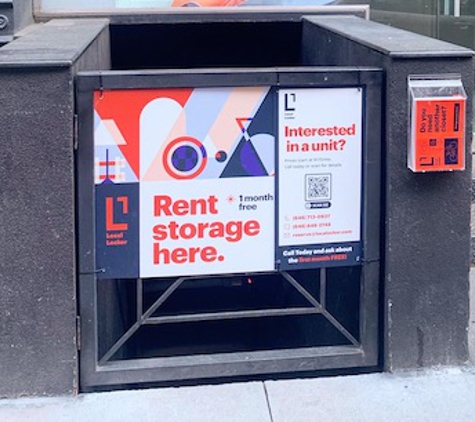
point(244, 162)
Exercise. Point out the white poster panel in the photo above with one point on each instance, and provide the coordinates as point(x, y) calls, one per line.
point(210, 227)
point(319, 177)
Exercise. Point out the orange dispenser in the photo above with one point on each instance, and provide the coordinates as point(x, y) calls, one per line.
point(437, 131)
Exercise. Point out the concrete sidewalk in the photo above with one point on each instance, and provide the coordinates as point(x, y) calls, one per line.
point(446, 395)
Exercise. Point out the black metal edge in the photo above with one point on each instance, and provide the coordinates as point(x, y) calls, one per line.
point(371, 213)
point(372, 81)
point(275, 92)
point(223, 365)
point(88, 346)
point(195, 80)
point(86, 82)
point(179, 78)
point(85, 204)
point(318, 76)
point(370, 321)
point(184, 78)
point(85, 181)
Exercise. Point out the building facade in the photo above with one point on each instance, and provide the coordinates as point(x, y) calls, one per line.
point(151, 178)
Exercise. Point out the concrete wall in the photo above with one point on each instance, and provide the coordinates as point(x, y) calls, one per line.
point(427, 216)
point(38, 353)
point(22, 13)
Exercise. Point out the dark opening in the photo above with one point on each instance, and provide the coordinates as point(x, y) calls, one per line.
point(117, 313)
point(194, 45)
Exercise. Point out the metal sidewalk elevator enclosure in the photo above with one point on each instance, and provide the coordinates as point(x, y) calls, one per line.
point(228, 222)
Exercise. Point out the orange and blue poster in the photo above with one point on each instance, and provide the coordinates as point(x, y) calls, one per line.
point(184, 181)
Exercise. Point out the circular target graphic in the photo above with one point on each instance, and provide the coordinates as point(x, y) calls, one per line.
point(184, 158)
point(221, 156)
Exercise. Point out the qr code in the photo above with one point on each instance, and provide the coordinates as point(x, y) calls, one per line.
point(318, 187)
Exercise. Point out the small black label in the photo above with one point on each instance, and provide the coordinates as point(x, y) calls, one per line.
point(456, 117)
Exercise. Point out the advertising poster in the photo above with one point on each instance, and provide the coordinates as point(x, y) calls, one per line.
point(439, 135)
point(319, 177)
point(437, 141)
point(184, 181)
point(191, 181)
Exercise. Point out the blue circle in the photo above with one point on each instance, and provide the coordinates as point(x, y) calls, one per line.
point(184, 158)
point(221, 156)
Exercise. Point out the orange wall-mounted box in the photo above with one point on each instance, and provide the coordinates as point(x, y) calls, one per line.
point(437, 136)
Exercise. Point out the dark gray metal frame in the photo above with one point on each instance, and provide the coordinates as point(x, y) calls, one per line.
point(361, 353)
